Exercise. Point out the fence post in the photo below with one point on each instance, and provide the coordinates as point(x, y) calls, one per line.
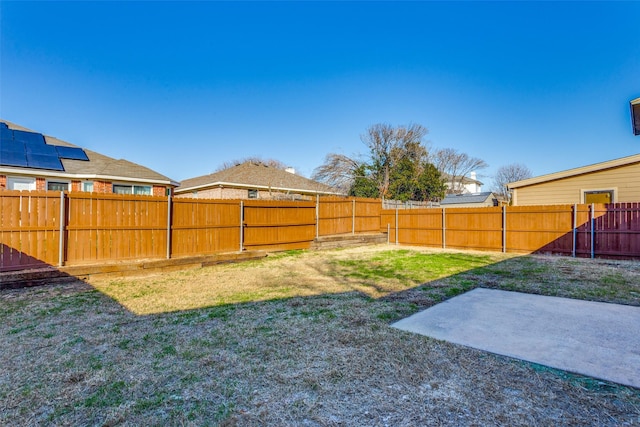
point(317, 216)
point(593, 231)
point(169, 226)
point(504, 229)
point(353, 217)
point(575, 230)
point(62, 227)
point(396, 225)
point(388, 233)
point(241, 225)
point(444, 230)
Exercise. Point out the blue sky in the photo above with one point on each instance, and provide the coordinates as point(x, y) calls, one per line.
point(184, 87)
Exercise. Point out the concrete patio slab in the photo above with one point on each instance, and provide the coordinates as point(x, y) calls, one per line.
point(596, 339)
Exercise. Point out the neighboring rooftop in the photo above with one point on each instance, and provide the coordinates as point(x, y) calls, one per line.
point(255, 175)
point(610, 164)
point(97, 166)
point(466, 198)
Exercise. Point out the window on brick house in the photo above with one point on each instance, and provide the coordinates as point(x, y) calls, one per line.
point(57, 186)
point(253, 194)
point(20, 183)
point(87, 186)
point(132, 189)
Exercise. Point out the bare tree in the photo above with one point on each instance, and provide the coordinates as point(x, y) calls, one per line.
point(455, 166)
point(337, 171)
point(509, 173)
point(388, 145)
point(255, 160)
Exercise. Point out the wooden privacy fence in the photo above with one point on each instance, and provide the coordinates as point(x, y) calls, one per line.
point(50, 228)
point(106, 227)
point(611, 230)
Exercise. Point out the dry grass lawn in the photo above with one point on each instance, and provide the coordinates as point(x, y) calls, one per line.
point(300, 338)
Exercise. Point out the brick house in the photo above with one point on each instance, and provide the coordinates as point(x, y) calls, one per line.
point(32, 161)
point(254, 180)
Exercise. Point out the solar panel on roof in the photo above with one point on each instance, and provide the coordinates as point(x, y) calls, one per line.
point(44, 162)
point(28, 137)
point(6, 133)
point(42, 149)
point(29, 149)
point(12, 158)
point(72, 153)
point(14, 146)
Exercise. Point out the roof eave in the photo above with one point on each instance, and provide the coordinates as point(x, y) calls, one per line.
point(250, 186)
point(47, 173)
point(624, 161)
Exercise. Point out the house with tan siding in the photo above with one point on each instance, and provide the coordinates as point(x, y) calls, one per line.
point(613, 181)
point(254, 180)
point(32, 161)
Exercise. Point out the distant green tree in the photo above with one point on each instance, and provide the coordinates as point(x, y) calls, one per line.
point(363, 185)
point(403, 180)
point(431, 186)
point(397, 166)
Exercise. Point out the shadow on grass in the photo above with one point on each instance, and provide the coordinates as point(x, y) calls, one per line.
point(374, 275)
point(416, 277)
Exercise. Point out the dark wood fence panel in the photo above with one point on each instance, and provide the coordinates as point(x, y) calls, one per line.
point(115, 227)
point(204, 227)
point(29, 229)
point(583, 231)
point(278, 225)
point(617, 230)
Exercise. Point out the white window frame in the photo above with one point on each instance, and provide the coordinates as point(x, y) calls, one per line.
point(12, 180)
point(253, 192)
point(613, 190)
point(132, 187)
point(83, 187)
point(58, 181)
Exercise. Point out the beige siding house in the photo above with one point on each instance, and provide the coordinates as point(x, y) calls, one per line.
point(614, 181)
point(253, 180)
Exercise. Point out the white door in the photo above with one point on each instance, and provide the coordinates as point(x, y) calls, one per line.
point(19, 183)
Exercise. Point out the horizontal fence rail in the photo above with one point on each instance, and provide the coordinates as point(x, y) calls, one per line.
point(53, 229)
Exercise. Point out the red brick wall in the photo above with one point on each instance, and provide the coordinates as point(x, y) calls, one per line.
point(41, 184)
point(102, 187)
point(3, 182)
point(159, 190)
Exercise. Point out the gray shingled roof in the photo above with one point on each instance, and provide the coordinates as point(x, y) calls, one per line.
point(256, 175)
point(99, 165)
point(455, 199)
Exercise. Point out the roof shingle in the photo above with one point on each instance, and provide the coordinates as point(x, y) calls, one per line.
point(258, 175)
